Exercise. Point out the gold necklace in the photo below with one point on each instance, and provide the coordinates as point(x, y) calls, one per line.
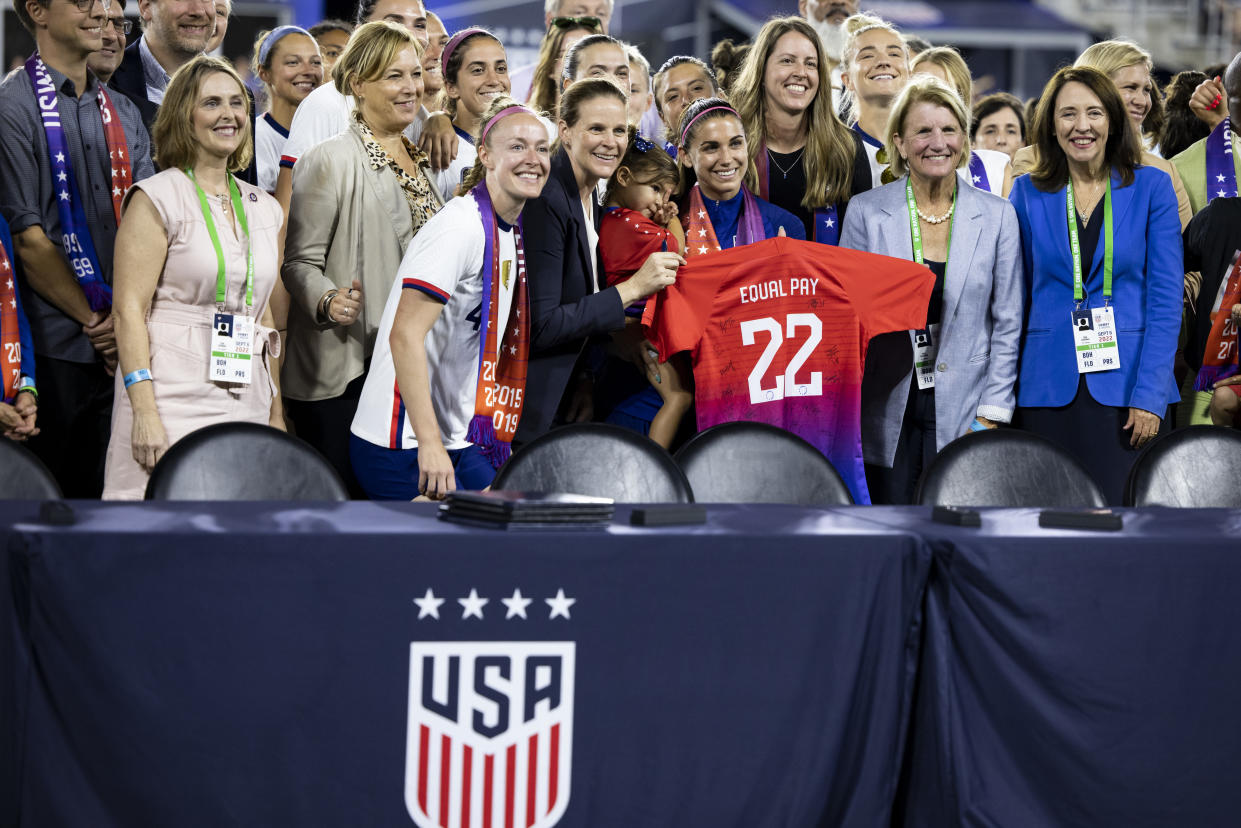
point(1096, 191)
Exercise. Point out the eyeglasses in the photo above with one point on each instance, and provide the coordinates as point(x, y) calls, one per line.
point(573, 22)
point(123, 25)
point(87, 5)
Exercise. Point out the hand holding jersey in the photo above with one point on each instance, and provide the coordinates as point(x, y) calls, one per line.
point(659, 271)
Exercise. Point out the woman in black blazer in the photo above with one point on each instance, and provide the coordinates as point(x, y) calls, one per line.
point(561, 229)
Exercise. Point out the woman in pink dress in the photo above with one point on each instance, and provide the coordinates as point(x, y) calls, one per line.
point(197, 255)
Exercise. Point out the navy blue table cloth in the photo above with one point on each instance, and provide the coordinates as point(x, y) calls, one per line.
point(1074, 678)
point(366, 665)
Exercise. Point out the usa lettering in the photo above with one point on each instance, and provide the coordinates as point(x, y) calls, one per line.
point(45, 92)
point(499, 692)
point(490, 734)
point(777, 289)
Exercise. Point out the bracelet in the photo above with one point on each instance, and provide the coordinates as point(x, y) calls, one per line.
point(141, 375)
point(27, 385)
point(977, 426)
point(327, 303)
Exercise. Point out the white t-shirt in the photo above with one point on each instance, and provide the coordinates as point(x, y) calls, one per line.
point(326, 113)
point(520, 81)
point(323, 114)
point(994, 162)
point(445, 261)
point(269, 138)
point(592, 239)
point(466, 153)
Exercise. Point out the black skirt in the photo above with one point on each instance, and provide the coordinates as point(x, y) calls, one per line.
point(1093, 433)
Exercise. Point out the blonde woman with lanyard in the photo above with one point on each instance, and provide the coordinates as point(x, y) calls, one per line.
point(197, 256)
point(447, 383)
point(1104, 295)
point(923, 389)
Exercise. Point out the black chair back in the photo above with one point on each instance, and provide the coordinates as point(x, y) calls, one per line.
point(23, 476)
point(1197, 467)
point(243, 461)
point(759, 463)
point(1007, 467)
point(598, 460)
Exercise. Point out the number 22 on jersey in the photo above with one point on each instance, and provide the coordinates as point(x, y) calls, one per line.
point(784, 383)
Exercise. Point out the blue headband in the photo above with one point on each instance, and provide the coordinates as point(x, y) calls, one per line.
point(276, 35)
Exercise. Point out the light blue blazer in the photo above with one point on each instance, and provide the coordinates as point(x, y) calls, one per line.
point(1147, 281)
point(981, 320)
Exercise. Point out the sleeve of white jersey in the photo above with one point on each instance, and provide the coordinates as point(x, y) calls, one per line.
point(317, 119)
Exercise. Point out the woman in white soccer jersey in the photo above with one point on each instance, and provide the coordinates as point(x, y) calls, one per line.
point(444, 394)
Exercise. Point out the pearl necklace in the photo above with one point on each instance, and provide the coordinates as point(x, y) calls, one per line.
point(938, 219)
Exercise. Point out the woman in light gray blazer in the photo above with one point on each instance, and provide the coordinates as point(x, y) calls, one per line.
point(358, 199)
point(923, 389)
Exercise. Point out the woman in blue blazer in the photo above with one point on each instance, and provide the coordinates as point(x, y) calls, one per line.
point(1069, 388)
point(970, 241)
point(561, 230)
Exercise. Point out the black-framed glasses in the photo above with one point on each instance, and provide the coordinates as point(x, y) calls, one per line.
point(123, 25)
point(87, 5)
point(572, 22)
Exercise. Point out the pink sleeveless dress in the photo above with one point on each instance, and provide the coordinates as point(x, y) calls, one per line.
point(179, 323)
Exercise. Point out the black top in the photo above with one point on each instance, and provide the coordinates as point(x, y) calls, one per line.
point(1088, 237)
point(787, 190)
point(935, 309)
point(1211, 240)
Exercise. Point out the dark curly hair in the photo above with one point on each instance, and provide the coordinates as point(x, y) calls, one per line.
point(1181, 127)
point(726, 59)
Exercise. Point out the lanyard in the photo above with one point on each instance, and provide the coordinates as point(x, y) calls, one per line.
point(1075, 246)
point(220, 278)
point(915, 230)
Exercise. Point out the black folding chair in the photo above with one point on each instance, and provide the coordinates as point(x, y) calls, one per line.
point(598, 460)
point(23, 475)
point(747, 462)
point(1196, 467)
point(243, 461)
point(1007, 467)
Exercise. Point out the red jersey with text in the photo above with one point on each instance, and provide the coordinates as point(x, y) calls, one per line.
point(778, 332)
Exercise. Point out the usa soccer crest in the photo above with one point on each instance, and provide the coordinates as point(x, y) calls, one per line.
point(490, 734)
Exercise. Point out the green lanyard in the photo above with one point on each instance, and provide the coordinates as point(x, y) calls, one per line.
point(915, 230)
point(1076, 248)
point(220, 278)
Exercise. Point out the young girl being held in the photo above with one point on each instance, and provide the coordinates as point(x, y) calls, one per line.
point(640, 219)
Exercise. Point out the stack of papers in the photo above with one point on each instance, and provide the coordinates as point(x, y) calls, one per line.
point(527, 510)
